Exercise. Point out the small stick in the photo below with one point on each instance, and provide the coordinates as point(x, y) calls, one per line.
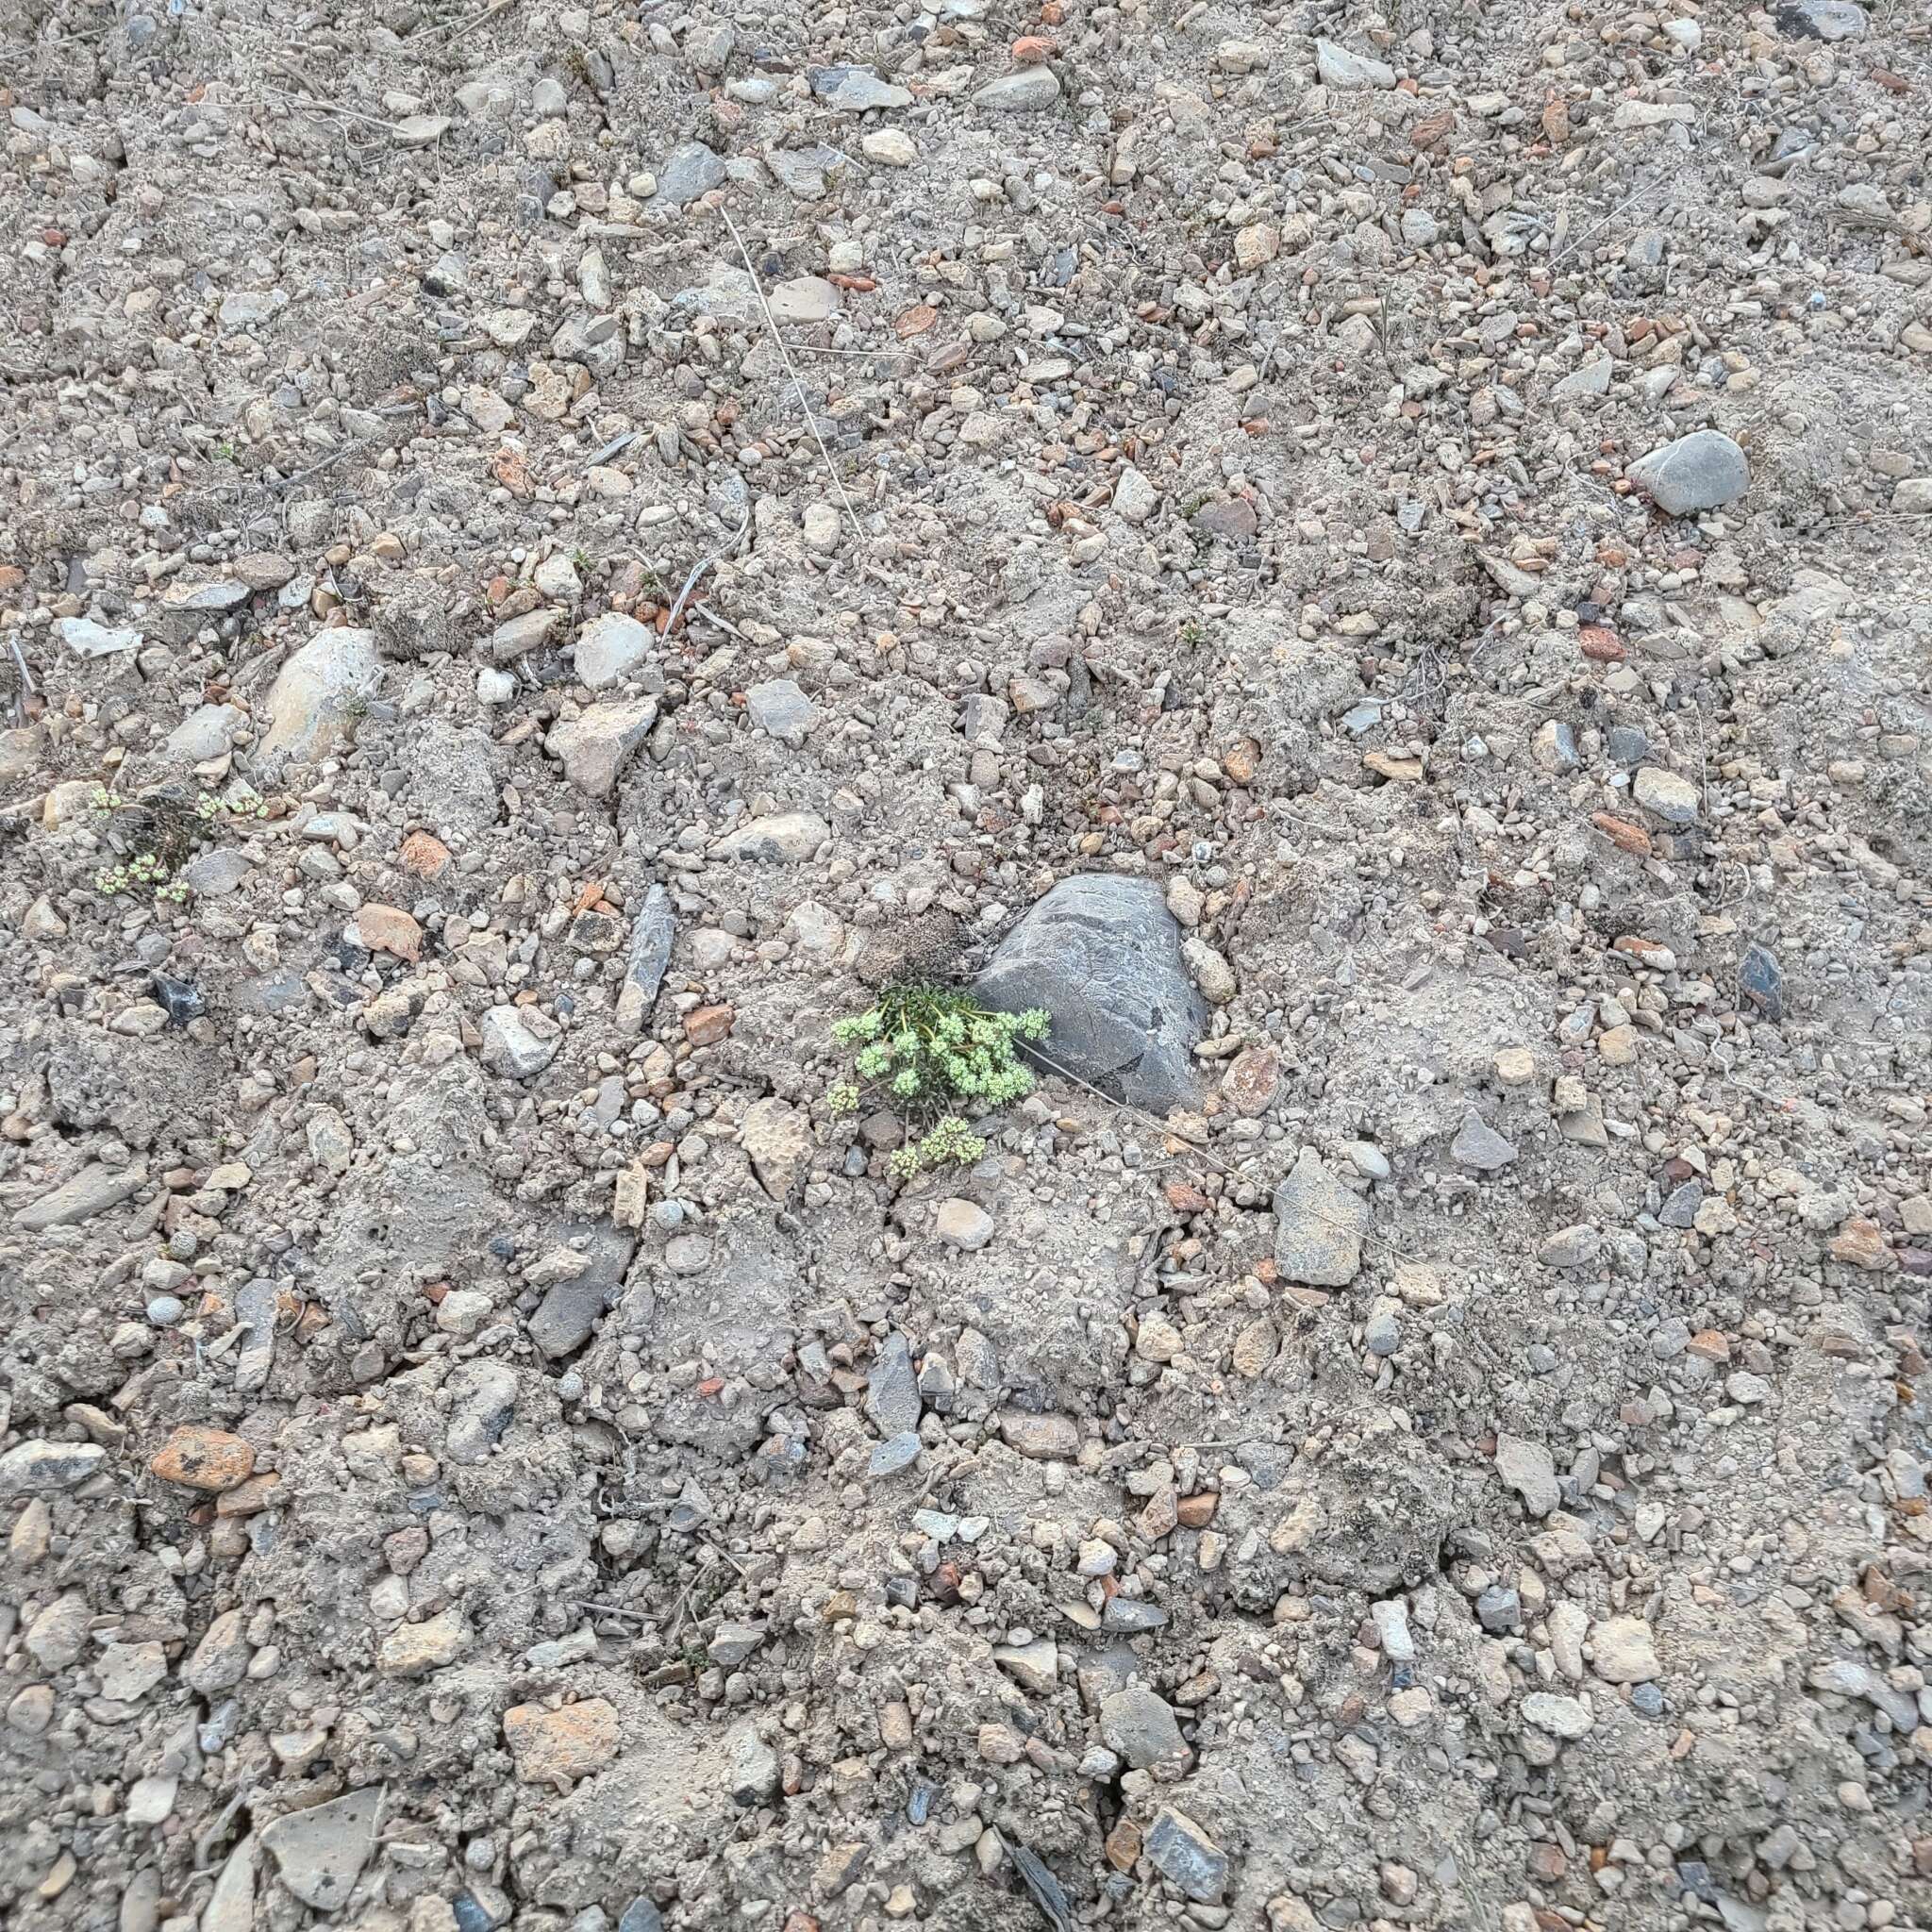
point(790, 369)
point(702, 565)
point(1147, 1119)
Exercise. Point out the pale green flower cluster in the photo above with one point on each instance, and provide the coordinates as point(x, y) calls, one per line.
point(928, 1049)
point(141, 873)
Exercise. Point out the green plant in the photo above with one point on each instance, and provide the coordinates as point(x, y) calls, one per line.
point(931, 1050)
point(1193, 632)
point(166, 828)
point(580, 561)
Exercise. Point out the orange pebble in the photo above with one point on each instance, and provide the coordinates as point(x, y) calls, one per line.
point(1031, 49)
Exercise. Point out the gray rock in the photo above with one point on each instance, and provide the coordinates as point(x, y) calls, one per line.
point(1626, 745)
point(1140, 1727)
point(650, 953)
point(611, 646)
point(483, 1404)
point(1044, 1438)
point(1674, 800)
point(1477, 1145)
point(257, 1303)
point(315, 693)
point(1680, 1209)
point(512, 1043)
point(570, 1308)
point(1499, 1611)
point(207, 732)
point(87, 638)
point(36, 1466)
point(1024, 92)
point(1382, 1331)
point(781, 710)
point(855, 90)
point(598, 743)
point(1571, 1247)
point(1338, 67)
point(891, 1391)
point(1185, 1855)
point(518, 636)
point(1103, 956)
point(1702, 470)
point(1591, 379)
point(755, 1768)
point(782, 838)
point(641, 1915)
point(805, 172)
point(1761, 981)
point(1568, 1717)
point(91, 1192)
point(732, 1644)
point(1035, 1666)
point(689, 172)
point(1319, 1226)
point(707, 45)
point(1131, 1617)
point(1821, 19)
point(1530, 1470)
point(215, 874)
point(320, 1853)
point(895, 1453)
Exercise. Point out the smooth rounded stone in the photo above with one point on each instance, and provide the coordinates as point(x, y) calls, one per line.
point(1140, 1727)
point(963, 1224)
point(1022, 92)
point(1103, 956)
point(609, 647)
point(314, 694)
point(782, 838)
point(320, 1853)
point(804, 299)
point(689, 172)
point(517, 1043)
point(891, 148)
point(1568, 1717)
point(1703, 471)
point(781, 710)
point(1913, 498)
point(1382, 1331)
point(1674, 800)
point(1041, 1438)
point(165, 1310)
point(1319, 1226)
point(1338, 67)
point(855, 90)
point(1480, 1147)
point(1421, 229)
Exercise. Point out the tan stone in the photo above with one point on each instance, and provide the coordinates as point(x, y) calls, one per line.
point(551, 1746)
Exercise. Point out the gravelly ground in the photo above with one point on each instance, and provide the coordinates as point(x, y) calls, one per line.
point(539, 551)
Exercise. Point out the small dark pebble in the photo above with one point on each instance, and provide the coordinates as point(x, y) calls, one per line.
point(919, 1805)
point(180, 997)
point(1046, 1889)
point(1647, 1700)
point(1761, 983)
point(1693, 1874)
point(902, 1592)
point(1680, 1210)
point(641, 1915)
point(470, 1916)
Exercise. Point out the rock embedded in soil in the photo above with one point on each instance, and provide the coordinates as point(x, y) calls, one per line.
point(1103, 957)
point(1703, 471)
point(560, 1746)
point(315, 696)
point(320, 1853)
point(1319, 1226)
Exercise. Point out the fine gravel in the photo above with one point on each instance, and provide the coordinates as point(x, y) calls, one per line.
point(1376, 564)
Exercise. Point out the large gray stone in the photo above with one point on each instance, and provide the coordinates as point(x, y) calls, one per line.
point(1103, 956)
point(314, 693)
point(1319, 1226)
point(1702, 470)
point(689, 172)
point(320, 1853)
point(1140, 1726)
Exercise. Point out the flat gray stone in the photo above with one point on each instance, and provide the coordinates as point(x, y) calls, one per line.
point(1529, 1469)
point(781, 710)
point(598, 743)
point(1338, 67)
point(1705, 470)
point(689, 172)
point(611, 646)
point(1478, 1146)
point(91, 1192)
point(1103, 956)
point(895, 1453)
point(207, 732)
point(1185, 1855)
point(1024, 92)
point(1319, 1226)
point(517, 636)
point(855, 90)
point(314, 693)
point(515, 1045)
point(570, 1308)
point(650, 954)
point(320, 1853)
point(784, 838)
point(33, 1468)
point(892, 1392)
point(1140, 1727)
point(87, 638)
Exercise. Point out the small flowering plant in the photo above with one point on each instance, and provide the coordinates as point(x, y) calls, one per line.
point(931, 1051)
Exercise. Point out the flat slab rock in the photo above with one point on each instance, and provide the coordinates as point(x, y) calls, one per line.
point(1103, 956)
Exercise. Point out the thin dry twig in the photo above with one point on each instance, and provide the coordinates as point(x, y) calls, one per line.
point(705, 563)
point(790, 369)
point(1147, 1120)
